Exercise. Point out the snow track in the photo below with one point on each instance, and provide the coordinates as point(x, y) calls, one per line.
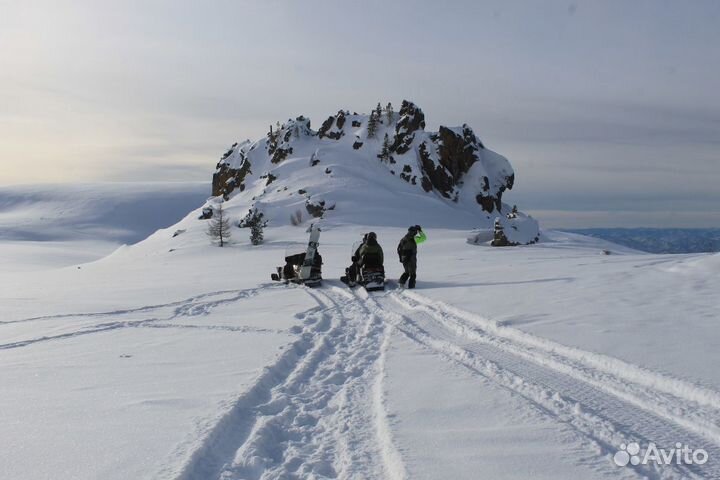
point(318, 411)
point(606, 408)
point(80, 324)
point(315, 413)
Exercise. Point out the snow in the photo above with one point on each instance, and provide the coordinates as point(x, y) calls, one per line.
point(491, 431)
point(175, 359)
point(236, 154)
point(111, 404)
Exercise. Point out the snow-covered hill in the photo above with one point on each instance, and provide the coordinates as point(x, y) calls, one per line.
point(380, 169)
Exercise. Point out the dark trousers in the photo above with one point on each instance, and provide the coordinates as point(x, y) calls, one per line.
point(410, 271)
point(353, 272)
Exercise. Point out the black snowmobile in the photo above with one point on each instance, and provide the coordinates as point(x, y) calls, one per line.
point(302, 266)
point(370, 276)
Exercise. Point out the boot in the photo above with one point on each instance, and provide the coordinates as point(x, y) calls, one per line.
point(403, 279)
point(411, 283)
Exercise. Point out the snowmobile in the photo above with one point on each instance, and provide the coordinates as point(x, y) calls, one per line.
point(302, 266)
point(372, 278)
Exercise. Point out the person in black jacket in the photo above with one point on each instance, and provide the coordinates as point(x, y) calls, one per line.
point(371, 253)
point(407, 251)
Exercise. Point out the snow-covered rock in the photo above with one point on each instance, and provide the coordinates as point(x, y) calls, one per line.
point(384, 164)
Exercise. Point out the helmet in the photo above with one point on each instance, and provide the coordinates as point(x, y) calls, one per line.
point(413, 229)
point(372, 236)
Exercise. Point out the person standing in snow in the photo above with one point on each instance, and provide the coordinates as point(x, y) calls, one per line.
point(407, 251)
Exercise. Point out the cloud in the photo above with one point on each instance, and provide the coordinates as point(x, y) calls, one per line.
point(601, 106)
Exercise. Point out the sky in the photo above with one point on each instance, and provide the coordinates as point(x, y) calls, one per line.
point(608, 110)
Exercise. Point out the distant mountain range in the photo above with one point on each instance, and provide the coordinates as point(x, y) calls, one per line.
point(660, 240)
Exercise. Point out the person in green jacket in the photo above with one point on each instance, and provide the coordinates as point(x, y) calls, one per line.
point(407, 251)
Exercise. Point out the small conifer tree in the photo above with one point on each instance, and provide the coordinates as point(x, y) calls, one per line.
point(385, 152)
point(255, 221)
point(372, 125)
point(378, 111)
point(219, 227)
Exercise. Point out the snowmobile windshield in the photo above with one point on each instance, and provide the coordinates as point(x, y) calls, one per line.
point(355, 246)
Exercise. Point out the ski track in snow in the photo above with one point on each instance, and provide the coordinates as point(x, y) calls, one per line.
point(317, 412)
point(590, 393)
point(192, 307)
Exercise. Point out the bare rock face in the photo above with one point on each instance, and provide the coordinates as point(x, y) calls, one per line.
point(411, 120)
point(318, 208)
point(279, 142)
point(332, 128)
point(448, 156)
point(235, 165)
point(458, 151)
point(487, 202)
point(231, 170)
point(408, 175)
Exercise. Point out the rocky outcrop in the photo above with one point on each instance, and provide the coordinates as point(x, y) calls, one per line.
point(499, 238)
point(434, 175)
point(411, 120)
point(457, 151)
point(207, 214)
point(317, 209)
point(446, 157)
point(278, 144)
point(515, 228)
point(231, 170)
point(441, 163)
point(452, 162)
point(235, 165)
point(407, 175)
point(332, 128)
